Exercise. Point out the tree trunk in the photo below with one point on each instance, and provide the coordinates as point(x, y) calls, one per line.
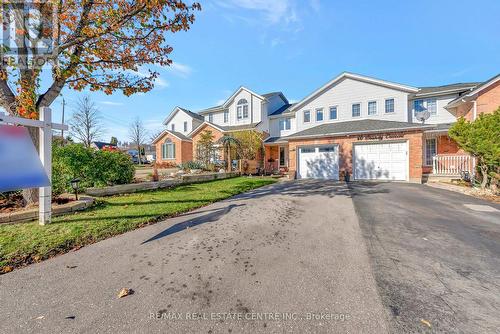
point(31, 195)
point(484, 174)
point(228, 159)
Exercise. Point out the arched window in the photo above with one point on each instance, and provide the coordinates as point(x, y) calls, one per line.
point(168, 150)
point(242, 109)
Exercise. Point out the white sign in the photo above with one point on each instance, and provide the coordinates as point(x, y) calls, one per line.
point(20, 165)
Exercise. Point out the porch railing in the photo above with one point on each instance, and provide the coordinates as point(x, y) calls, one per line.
point(453, 165)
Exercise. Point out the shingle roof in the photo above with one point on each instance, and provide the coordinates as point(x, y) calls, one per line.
point(101, 144)
point(358, 126)
point(282, 109)
point(179, 135)
point(268, 95)
point(463, 86)
point(192, 114)
point(238, 127)
point(272, 140)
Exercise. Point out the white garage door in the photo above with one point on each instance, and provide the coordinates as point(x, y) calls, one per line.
point(318, 162)
point(381, 161)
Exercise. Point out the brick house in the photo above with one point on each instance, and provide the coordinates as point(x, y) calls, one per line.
point(369, 128)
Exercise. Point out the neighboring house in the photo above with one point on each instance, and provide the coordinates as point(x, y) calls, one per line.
point(354, 124)
point(99, 145)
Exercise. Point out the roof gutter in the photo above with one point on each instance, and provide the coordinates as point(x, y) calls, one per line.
point(341, 134)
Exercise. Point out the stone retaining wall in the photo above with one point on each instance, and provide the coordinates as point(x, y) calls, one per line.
point(136, 187)
point(57, 210)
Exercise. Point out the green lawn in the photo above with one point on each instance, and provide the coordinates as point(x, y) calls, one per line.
point(29, 242)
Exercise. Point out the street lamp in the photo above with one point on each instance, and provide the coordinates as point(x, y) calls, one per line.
point(75, 184)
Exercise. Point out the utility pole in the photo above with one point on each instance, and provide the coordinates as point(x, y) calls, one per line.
point(62, 131)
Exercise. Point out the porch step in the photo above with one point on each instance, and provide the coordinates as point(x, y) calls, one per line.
point(429, 178)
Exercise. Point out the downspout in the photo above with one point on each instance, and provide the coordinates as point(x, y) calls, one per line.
point(474, 111)
point(251, 108)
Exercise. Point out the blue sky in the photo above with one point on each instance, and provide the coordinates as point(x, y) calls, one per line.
point(295, 46)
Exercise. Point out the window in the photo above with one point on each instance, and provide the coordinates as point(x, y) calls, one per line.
point(226, 116)
point(172, 127)
point(319, 115)
point(242, 109)
point(418, 106)
point(307, 116)
point(372, 108)
point(430, 150)
point(356, 110)
point(307, 150)
point(327, 149)
point(333, 112)
point(429, 105)
point(185, 126)
point(168, 150)
point(211, 118)
point(432, 106)
point(285, 124)
point(389, 105)
point(282, 156)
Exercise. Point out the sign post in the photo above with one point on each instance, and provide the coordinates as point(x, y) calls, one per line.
point(45, 127)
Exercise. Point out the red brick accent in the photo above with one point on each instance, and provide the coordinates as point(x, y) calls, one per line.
point(489, 99)
point(415, 142)
point(215, 132)
point(183, 150)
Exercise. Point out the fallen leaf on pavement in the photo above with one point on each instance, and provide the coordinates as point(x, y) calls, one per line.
point(425, 322)
point(125, 292)
point(7, 269)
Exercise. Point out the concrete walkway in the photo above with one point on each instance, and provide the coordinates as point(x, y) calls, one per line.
point(265, 261)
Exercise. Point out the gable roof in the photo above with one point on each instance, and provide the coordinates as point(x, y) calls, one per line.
point(358, 77)
point(473, 92)
point(273, 94)
point(446, 89)
point(357, 127)
point(233, 96)
point(100, 144)
point(176, 134)
point(188, 112)
point(225, 129)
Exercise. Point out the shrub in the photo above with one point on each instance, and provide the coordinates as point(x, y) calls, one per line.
point(93, 168)
point(191, 165)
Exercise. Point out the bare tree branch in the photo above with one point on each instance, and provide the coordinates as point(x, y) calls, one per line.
point(85, 125)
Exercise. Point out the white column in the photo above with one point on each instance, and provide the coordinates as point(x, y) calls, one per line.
point(45, 193)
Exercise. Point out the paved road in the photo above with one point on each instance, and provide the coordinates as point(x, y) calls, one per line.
point(435, 257)
point(293, 248)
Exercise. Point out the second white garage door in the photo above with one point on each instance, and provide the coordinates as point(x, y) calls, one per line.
point(388, 161)
point(318, 162)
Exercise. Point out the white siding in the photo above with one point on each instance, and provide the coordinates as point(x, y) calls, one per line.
point(442, 115)
point(254, 111)
point(274, 127)
point(348, 91)
point(178, 120)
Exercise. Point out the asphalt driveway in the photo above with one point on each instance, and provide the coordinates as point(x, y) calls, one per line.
point(284, 258)
point(435, 256)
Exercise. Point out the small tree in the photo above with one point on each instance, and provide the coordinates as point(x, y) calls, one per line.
point(138, 134)
point(481, 139)
point(250, 144)
point(205, 148)
point(85, 125)
point(227, 141)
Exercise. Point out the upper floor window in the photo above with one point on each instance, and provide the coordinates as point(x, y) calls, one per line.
point(307, 116)
point(319, 115)
point(356, 110)
point(285, 124)
point(172, 127)
point(185, 126)
point(242, 109)
point(372, 108)
point(226, 116)
point(333, 112)
point(429, 105)
point(168, 150)
point(389, 105)
point(211, 118)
